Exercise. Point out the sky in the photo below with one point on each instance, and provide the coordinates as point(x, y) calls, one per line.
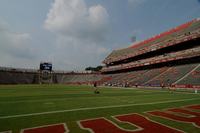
point(75, 34)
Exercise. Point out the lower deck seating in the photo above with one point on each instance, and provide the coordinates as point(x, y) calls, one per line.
point(80, 78)
point(148, 76)
point(171, 75)
point(17, 77)
point(164, 76)
point(192, 78)
point(124, 79)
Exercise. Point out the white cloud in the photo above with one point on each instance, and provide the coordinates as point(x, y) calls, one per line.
point(73, 18)
point(81, 32)
point(14, 46)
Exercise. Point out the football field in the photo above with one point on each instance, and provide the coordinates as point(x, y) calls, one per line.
point(76, 109)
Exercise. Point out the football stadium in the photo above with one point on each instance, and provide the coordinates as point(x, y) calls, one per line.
point(151, 86)
point(147, 87)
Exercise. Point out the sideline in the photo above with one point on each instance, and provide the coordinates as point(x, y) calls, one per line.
point(94, 108)
point(152, 89)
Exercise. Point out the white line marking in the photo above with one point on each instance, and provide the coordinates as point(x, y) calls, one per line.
point(111, 122)
point(94, 108)
point(45, 126)
point(115, 117)
point(164, 117)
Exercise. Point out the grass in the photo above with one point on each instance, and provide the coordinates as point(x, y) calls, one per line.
point(17, 100)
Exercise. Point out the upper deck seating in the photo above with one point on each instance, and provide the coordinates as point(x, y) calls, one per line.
point(188, 53)
point(156, 42)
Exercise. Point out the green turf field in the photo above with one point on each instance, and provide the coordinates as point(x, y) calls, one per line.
point(26, 106)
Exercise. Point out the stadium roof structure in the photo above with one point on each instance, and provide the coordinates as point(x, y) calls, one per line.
point(183, 33)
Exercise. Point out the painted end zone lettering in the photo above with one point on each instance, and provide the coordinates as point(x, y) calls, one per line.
point(195, 119)
point(146, 124)
point(195, 107)
point(183, 111)
point(57, 128)
point(101, 125)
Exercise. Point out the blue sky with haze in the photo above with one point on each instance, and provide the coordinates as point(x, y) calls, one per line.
point(74, 34)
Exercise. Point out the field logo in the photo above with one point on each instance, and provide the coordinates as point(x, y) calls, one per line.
point(144, 125)
point(189, 117)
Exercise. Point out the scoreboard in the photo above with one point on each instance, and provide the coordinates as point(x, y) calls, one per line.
point(45, 73)
point(46, 66)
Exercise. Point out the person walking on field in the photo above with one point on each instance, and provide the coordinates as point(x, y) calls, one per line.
point(96, 88)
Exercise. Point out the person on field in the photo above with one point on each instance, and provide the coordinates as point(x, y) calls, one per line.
point(96, 91)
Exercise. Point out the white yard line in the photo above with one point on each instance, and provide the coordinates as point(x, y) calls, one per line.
point(94, 108)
